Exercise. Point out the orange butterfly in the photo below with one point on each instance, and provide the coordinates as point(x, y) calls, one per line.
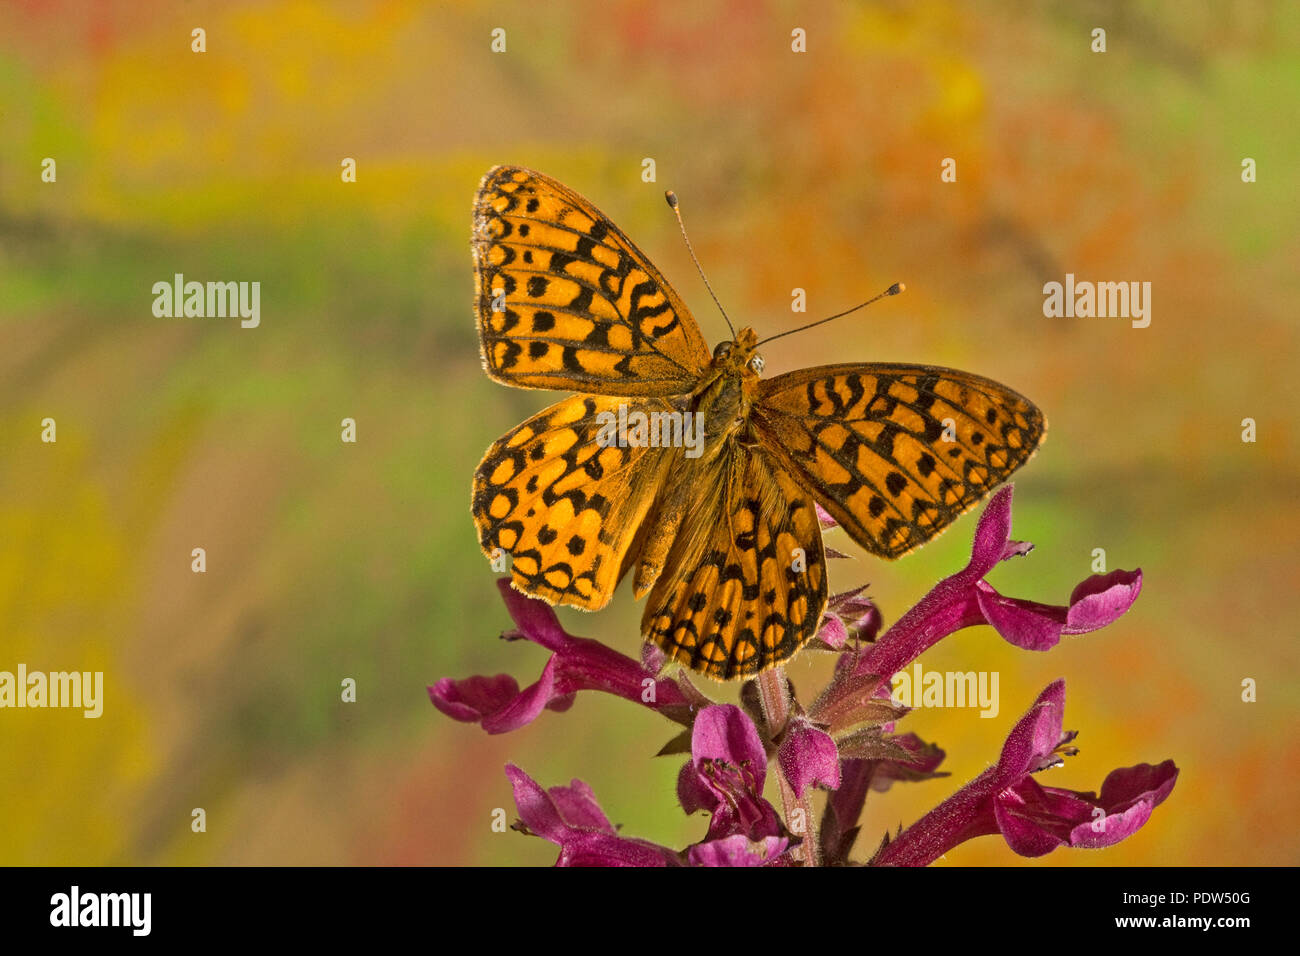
point(688, 466)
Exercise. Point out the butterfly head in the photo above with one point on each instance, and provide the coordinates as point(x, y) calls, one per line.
point(739, 357)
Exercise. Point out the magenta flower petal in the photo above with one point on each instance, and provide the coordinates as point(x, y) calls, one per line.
point(692, 793)
point(1114, 827)
point(1035, 819)
point(1102, 599)
point(576, 664)
point(737, 851)
point(1032, 743)
point(536, 808)
point(1027, 813)
point(575, 822)
point(1128, 796)
point(729, 768)
point(992, 536)
point(1096, 602)
point(577, 805)
point(535, 619)
point(1026, 624)
point(471, 699)
point(808, 757)
point(725, 733)
point(1130, 784)
point(496, 712)
point(528, 704)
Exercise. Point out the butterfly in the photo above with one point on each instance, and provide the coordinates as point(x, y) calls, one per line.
point(718, 525)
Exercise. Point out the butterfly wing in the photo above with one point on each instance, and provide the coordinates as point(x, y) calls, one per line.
point(896, 453)
point(563, 502)
point(566, 301)
point(744, 586)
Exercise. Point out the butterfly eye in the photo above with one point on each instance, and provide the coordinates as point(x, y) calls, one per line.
point(756, 363)
point(723, 350)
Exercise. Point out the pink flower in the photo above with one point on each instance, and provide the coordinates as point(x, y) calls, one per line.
point(1034, 819)
point(724, 776)
point(570, 817)
point(576, 663)
point(849, 614)
point(845, 741)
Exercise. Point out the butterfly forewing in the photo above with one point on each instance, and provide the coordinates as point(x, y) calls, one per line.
point(896, 453)
point(564, 506)
point(747, 581)
point(566, 301)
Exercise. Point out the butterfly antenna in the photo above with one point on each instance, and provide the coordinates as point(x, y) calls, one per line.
point(672, 202)
point(894, 289)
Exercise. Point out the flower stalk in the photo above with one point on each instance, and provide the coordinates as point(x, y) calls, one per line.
point(774, 697)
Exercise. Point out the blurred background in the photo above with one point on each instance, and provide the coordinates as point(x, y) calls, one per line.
point(818, 170)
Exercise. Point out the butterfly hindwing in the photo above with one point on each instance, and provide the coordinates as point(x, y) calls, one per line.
point(566, 301)
point(563, 502)
point(745, 583)
point(896, 453)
